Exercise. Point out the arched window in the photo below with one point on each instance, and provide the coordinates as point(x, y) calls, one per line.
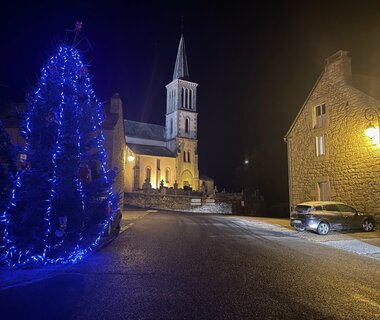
point(147, 173)
point(183, 98)
point(191, 99)
point(167, 175)
point(187, 125)
point(188, 156)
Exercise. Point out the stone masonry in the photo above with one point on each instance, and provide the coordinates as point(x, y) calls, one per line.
point(350, 165)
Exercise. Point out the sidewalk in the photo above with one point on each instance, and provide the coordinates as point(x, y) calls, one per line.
point(131, 215)
point(359, 242)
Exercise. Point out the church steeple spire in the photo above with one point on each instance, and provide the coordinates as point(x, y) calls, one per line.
point(181, 70)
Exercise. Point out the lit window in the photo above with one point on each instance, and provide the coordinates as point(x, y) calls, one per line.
point(320, 145)
point(319, 116)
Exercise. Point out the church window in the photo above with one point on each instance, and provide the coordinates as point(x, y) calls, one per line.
point(183, 98)
point(187, 125)
point(171, 126)
point(191, 99)
point(167, 175)
point(184, 156)
point(188, 156)
point(147, 173)
point(187, 98)
point(171, 100)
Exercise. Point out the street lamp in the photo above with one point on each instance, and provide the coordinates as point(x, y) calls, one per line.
point(130, 158)
point(372, 131)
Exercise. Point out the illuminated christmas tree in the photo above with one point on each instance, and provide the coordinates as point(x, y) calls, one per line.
point(8, 171)
point(62, 200)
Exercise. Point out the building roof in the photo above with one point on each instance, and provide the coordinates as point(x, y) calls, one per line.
point(151, 150)
point(181, 70)
point(144, 130)
point(366, 84)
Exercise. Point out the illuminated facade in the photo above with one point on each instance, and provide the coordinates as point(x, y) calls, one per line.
point(167, 156)
point(329, 155)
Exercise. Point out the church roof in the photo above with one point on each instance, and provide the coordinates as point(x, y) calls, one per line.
point(144, 130)
point(150, 150)
point(181, 70)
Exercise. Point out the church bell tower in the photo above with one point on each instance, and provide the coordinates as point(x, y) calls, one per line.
point(181, 121)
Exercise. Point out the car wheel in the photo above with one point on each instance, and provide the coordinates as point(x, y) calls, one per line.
point(117, 230)
point(368, 225)
point(323, 228)
point(299, 227)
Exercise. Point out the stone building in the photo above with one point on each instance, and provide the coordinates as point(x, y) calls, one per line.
point(167, 156)
point(329, 155)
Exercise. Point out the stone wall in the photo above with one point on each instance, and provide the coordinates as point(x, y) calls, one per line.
point(175, 202)
point(351, 165)
point(114, 142)
point(225, 203)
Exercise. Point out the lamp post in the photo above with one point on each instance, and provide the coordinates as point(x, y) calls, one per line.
point(373, 132)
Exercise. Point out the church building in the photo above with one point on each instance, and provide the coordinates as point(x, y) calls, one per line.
point(163, 156)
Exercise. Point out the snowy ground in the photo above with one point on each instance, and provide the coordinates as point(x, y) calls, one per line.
point(343, 241)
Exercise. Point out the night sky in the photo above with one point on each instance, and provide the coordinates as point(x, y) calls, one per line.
point(255, 65)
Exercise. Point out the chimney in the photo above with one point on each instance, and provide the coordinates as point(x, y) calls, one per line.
point(338, 66)
point(116, 104)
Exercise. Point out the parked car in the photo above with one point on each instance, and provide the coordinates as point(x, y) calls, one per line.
point(323, 216)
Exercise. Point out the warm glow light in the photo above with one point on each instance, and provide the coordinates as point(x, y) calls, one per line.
point(130, 158)
point(370, 132)
point(246, 161)
point(373, 133)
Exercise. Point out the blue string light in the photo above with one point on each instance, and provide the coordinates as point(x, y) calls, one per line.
point(65, 90)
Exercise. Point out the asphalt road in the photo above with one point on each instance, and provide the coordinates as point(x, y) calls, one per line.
point(185, 266)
